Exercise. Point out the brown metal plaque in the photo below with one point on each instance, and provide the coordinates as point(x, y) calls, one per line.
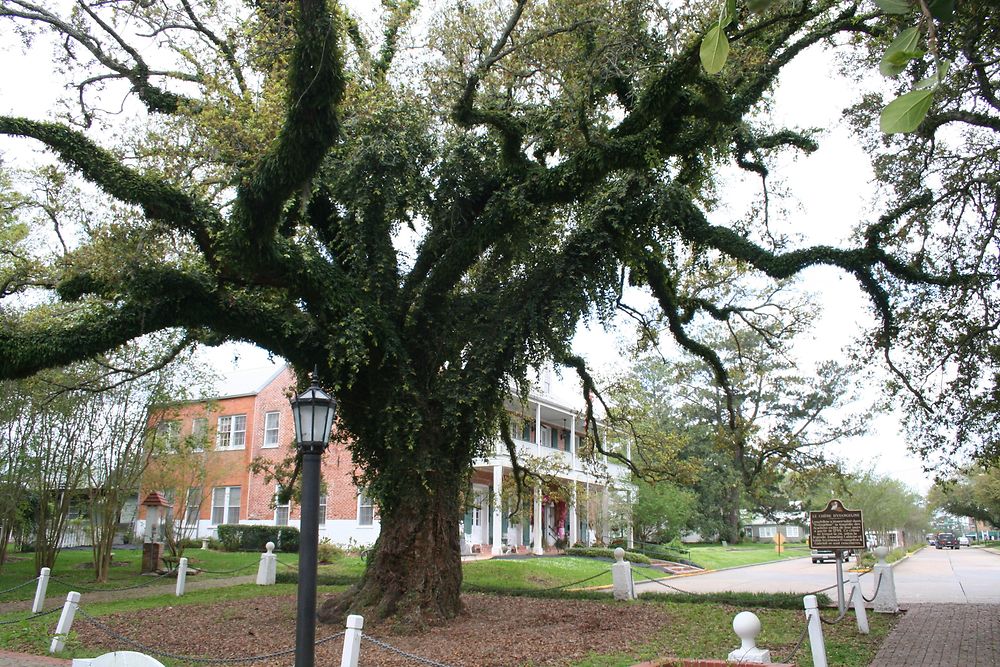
point(836, 527)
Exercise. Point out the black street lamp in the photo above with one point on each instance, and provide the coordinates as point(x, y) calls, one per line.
point(312, 412)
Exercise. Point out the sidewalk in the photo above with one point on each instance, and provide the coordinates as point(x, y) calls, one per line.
point(8, 659)
point(943, 635)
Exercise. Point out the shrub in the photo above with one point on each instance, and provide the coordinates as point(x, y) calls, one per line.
point(602, 552)
point(240, 537)
point(327, 551)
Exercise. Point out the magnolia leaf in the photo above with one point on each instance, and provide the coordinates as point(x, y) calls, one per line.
point(942, 10)
point(894, 6)
point(906, 112)
point(903, 49)
point(934, 80)
point(714, 50)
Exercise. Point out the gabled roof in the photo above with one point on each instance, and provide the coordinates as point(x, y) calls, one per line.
point(248, 381)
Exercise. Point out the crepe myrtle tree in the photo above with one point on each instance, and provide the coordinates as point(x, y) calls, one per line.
point(422, 225)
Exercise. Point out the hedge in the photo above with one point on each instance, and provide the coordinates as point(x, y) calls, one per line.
point(603, 552)
point(242, 537)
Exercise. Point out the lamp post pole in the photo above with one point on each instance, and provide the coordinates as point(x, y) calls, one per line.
point(305, 624)
point(312, 412)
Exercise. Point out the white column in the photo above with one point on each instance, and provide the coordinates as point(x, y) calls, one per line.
point(538, 429)
point(859, 603)
point(574, 521)
point(352, 641)
point(182, 571)
point(65, 622)
point(605, 527)
point(43, 584)
point(629, 538)
point(537, 527)
point(497, 511)
point(572, 441)
point(816, 643)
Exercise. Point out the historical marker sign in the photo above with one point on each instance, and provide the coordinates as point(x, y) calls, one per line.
point(836, 527)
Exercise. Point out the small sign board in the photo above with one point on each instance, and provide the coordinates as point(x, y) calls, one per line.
point(836, 527)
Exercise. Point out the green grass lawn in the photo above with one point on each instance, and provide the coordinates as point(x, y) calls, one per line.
point(75, 566)
point(700, 628)
point(715, 556)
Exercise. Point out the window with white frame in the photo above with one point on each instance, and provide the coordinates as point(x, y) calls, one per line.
point(766, 531)
point(199, 433)
point(232, 432)
point(167, 434)
point(192, 508)
point(271, 420)
point(281, 510)
point(366, 509)
point(322, 510)
point(225, 505)
point(791, 531)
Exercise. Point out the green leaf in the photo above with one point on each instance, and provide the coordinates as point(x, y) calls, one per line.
point(934, 80)
point(728, 13)
point(906, 112)
point(942, 10)
point(894, 6)
point(758, 6)
point(714, 50)
point(903, 49)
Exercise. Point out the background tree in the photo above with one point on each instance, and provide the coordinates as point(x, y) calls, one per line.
point(975, 493)
point(542, 155)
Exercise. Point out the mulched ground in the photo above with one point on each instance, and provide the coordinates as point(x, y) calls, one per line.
point(494, 631)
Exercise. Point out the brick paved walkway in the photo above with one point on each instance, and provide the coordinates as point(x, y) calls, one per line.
point(944, 635)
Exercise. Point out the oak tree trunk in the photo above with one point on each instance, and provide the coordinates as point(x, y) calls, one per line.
point(415, 572)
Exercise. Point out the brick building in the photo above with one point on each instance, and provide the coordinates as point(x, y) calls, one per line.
point(233, 430)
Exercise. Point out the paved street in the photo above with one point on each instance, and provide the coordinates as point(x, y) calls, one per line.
point(930, 575)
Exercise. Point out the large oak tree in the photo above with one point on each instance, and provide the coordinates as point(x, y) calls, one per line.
point(422, 228)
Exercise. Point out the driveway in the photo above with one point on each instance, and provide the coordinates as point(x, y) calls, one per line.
point(930, 575)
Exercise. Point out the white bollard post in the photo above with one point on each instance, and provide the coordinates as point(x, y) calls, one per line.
point(65, 622)
point(621, 577)
point(268, 568)
point(885, 591)
point(746, 625)
point(43, 585)
point(815, 631)
point(859, 603)
point(352, 641)
point(182, 573)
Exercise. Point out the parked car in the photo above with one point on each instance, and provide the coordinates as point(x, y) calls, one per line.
point(944, 540)
point(963, 541)
point(823, 555)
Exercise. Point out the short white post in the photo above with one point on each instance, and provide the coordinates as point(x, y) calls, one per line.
point(65, 622)
point(746, 625)
point(352, 641)
point(267, 571)
point(621, 577)
point(204, 543)
point(859, 603)
point(885, 585)
point(43, 584)
point(815, 631)
point(182, 573)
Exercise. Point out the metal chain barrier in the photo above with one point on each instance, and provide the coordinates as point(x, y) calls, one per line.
point(33, 616)
point(660, 582)
point(94, 589)
point(875, 594)
point(573, 583)
point(239, 569)
point(397, 651)
point(290, 567)
point(188, 658)
point(842, 616)
point(21, 585)
point(820, 590)
point(798, 644)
